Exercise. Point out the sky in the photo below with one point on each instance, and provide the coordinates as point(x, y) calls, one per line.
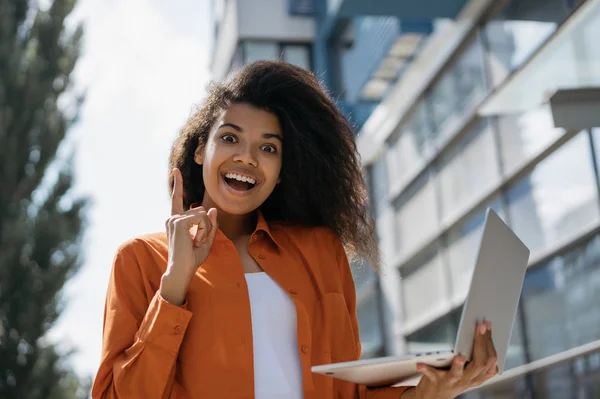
point(144, 68)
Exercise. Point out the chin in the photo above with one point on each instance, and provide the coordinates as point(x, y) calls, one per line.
point(237, 210)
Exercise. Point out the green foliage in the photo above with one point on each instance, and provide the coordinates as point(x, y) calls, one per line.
point(40, 221)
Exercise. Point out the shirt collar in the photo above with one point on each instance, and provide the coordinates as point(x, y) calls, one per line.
point(262, 227)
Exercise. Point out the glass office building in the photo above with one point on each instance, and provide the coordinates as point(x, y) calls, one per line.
point(452, 115)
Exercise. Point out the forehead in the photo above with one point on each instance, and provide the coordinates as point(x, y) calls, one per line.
point(250, 118)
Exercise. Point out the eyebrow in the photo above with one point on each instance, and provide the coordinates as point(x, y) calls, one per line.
point(239, 129)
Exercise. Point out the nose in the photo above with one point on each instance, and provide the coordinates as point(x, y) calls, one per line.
point(246, 156)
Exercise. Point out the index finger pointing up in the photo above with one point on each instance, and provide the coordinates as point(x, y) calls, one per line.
point(177, 196)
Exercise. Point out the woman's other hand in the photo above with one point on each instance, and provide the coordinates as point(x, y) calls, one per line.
point(187, 249)
point(448, 384)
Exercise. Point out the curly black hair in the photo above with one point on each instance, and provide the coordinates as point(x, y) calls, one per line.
point(321, 176)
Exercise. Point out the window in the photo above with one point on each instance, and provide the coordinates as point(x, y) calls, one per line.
point(237, 61)
point(560, 299)
point(416, 215)
point(255, 50)
point(523, 136)
point(378, 185)
point(410, 146)
point(369, 321)
point(468, 170)
point(518, 31)
point(596, 138)
point(458, 91)
point(578, 378)
point(364, 275)
point(439, 335)
point(297, 54)
point(558, 199)
point(463, 241)
point(425, 275)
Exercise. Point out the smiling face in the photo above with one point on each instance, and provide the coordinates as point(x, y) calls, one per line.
point(241, 159)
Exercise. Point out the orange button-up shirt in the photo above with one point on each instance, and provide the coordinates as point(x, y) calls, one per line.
point(203, 349)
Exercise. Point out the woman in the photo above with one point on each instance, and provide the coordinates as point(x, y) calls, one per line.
point(250, 286)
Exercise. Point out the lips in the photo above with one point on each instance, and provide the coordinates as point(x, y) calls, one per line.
point(240, 182)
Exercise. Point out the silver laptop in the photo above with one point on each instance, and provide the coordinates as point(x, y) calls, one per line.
point(494, 295)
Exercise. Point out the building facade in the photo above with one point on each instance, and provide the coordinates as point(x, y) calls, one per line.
point(459, 106)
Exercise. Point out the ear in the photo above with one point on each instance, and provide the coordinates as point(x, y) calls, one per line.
point(199, 154)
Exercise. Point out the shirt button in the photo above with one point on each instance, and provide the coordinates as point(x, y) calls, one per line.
point(262, 256)
point(304, 349)
point(293, 292)
point(178, 330)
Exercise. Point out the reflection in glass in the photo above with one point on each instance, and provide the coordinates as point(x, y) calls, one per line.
point(410, 146)
point(364, 275)
point(469, 170)
point(369, 321)
point(520, 28)
point(237, 61)
point(458, 92)
point(439, 335)
point(255, 50)
point(424, 287)
point(560, 299)
point(558, 199)
point(416, 215)
point(565, 380)
point(524, 135)
point(510, 43)
point(568, 61)
point(378, 185)
point(297, 54)
point(516, 350)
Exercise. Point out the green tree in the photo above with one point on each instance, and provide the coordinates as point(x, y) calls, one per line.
point(41, 221)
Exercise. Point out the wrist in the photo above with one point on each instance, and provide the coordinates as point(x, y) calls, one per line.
point(173, 288)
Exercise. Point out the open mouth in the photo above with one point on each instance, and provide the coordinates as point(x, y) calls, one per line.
point(239, 182)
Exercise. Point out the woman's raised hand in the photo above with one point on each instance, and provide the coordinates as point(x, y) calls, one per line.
point(187, 251)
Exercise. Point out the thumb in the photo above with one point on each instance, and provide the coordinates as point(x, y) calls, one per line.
point(212, 215)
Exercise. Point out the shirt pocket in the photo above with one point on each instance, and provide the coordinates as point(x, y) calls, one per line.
point(335, 331)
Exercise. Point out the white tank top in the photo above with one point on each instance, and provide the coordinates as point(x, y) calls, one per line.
point(277, 368)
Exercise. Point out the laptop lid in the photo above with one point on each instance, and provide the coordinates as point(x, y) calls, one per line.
point(495, 289)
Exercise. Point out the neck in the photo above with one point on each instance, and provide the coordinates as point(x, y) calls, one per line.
point(233, 226)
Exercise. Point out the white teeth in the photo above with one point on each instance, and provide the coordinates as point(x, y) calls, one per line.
point(240, 178)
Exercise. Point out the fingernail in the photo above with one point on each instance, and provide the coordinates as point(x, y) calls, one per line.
point(482, 329)
point(489, 325)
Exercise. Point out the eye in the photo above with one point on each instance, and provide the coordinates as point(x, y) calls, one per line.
point(271, 149)
point(229, 138)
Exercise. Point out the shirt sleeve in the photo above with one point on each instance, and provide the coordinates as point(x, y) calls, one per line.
point(360, 391)
point(141, 341)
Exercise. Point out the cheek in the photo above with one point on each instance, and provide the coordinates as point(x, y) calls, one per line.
point(274, 170)
point(211, 160)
